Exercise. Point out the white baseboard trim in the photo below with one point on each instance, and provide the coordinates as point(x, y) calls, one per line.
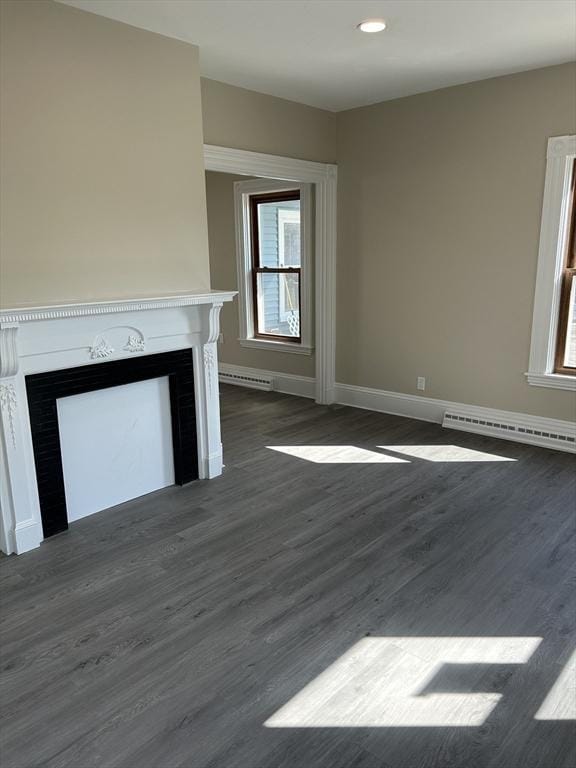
point(28, 535)
point(394, 403)
point(512, 425)
point(211, 466)
point(287, 383)
point(430, 409)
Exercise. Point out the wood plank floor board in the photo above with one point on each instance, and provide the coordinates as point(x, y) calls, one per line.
point(165, 632)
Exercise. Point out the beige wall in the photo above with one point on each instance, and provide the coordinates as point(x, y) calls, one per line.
point(440, 200)
point(221, 232)
point(102, 169)
point(242, 119)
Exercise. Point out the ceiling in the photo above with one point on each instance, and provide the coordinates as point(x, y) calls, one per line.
point(310, 51)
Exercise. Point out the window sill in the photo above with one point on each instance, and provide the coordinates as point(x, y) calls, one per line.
point(552, 380)
point(276, 346)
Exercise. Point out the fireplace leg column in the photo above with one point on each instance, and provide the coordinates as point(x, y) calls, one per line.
point(207, 395)
point(20, 522)
point(207, 411)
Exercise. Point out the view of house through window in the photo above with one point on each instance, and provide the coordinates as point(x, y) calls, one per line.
point(566, 343)
point(276, 264)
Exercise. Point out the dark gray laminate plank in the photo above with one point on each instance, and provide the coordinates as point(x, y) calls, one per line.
point(166, 631)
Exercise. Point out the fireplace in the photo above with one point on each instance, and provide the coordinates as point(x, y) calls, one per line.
point(61, 351)
point(45, 389)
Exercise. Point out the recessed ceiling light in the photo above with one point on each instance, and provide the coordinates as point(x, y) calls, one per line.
point(372, 25)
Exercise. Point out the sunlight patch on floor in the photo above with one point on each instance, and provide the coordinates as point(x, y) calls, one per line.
point(444, 453)
point(405, 682)
point(337, 454)
point(560, 704)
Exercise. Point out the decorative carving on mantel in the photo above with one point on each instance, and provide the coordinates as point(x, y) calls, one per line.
point(8, 404)
point(8, 350)
point(210, 364)
point(101, 349)
point(119, 338)
point(135, 343)
point(213, 324)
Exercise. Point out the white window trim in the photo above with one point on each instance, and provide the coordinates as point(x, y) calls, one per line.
point(553, 233)
point(324, 176)
point(242, 193)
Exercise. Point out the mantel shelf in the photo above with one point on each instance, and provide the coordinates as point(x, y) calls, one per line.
point(85, 309)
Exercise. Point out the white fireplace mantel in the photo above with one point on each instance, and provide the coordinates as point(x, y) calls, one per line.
point(60, 336)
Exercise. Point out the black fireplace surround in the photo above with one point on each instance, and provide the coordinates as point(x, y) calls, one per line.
point(44, 389)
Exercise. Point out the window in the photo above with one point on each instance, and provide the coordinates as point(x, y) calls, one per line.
point(566, 342)
point(276, 273)
point(272, 222)
point(553, 346)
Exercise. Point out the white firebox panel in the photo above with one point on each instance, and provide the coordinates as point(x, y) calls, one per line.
point(116, 445)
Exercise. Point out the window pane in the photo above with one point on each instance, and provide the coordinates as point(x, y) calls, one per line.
point(570, 349)
point(279, 233)
point(279, 304)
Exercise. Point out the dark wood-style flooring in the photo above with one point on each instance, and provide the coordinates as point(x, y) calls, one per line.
point(167, 631)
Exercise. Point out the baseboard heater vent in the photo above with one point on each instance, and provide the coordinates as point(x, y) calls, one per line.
point(244, 380)
point(561, 440)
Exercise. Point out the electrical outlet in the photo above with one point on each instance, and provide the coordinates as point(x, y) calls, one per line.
point(421, 383)
point(221, 338)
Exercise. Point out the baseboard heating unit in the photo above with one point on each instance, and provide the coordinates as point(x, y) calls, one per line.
point(247, 380)
point(561, 439)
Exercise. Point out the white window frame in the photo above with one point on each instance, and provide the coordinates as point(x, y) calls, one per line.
point(553, 242)
point(324, 178)
point(243, 190)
